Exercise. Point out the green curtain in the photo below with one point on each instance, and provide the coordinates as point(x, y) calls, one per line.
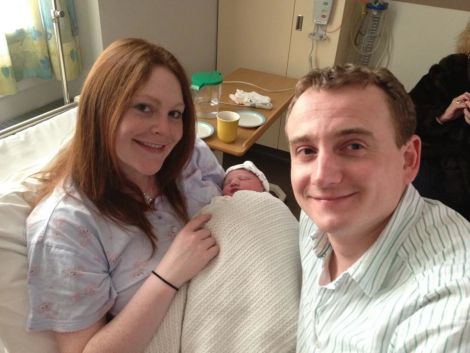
point(31, 51)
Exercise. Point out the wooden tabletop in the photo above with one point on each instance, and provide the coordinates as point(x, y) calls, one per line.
point(284, 87)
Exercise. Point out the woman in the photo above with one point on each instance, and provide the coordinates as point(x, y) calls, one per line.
point(107, 244)
point(442, 101)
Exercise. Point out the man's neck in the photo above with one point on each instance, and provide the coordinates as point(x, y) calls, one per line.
point(347, 250)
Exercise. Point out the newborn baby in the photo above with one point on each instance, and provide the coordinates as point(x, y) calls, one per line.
point(244, 176)
point(247, 298)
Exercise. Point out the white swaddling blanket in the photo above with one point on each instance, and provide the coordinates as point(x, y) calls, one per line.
point(247, 298)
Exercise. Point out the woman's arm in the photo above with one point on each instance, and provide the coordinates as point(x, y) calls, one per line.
point(204, 162)
point(202, 178)
point(132, 329)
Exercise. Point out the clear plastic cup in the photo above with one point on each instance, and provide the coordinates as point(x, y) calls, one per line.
point(206, 90)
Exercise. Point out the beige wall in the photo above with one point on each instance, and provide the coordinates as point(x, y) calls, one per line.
point(187, 28)
point(421, 36)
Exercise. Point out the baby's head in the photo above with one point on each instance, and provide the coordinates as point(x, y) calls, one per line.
point(244, 176)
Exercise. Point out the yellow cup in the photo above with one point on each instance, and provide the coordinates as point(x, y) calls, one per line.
point(227, 126)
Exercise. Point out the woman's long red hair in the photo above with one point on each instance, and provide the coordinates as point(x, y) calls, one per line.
point(90, 159)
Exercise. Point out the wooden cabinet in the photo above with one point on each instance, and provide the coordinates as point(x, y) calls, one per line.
point(261, 35)
point(254, 34)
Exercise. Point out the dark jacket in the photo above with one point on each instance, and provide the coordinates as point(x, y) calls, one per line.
point(431, 96)
point(446, 147)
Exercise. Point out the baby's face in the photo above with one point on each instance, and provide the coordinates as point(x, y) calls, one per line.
point(241, 179)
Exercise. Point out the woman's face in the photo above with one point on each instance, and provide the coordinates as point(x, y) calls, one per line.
point(150, 127)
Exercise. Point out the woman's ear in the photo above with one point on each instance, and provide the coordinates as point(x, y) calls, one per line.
point(411, 157)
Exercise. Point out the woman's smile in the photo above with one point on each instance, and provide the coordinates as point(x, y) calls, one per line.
point(149, 146)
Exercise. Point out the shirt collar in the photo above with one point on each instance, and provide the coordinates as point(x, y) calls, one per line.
point(371, 269)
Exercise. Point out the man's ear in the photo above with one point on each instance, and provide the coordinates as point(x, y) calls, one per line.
point(411, 158)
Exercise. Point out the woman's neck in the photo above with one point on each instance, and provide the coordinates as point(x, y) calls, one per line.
point(148, 186)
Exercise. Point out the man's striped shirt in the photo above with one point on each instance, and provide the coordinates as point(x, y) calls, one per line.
point(410, 292)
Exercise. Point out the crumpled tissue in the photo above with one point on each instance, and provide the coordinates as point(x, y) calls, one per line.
point(251, 99)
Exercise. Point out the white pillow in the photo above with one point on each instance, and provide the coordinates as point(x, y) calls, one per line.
point(27, 151)
point(14, 303)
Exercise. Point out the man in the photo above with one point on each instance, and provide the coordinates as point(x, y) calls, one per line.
point(384, 270)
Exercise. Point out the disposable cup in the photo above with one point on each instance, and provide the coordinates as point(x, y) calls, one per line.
point(227, 126)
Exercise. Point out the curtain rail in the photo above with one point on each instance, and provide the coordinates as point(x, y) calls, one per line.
point(56, 14)
point(35, 120)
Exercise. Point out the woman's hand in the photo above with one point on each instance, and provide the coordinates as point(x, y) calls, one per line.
point(466, 112)
point(459, 105)
point(191, 250)
point(131, 330)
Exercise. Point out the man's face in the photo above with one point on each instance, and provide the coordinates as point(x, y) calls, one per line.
point(347, 172)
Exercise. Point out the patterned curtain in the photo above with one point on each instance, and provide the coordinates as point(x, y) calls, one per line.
point(28, 45)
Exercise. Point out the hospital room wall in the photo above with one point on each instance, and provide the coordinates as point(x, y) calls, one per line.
point(187, 28)
point(422, 35)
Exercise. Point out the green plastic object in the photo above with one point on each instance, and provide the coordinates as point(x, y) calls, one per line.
point(204, 78)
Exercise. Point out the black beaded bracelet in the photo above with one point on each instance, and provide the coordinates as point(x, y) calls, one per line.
point(165, 281)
